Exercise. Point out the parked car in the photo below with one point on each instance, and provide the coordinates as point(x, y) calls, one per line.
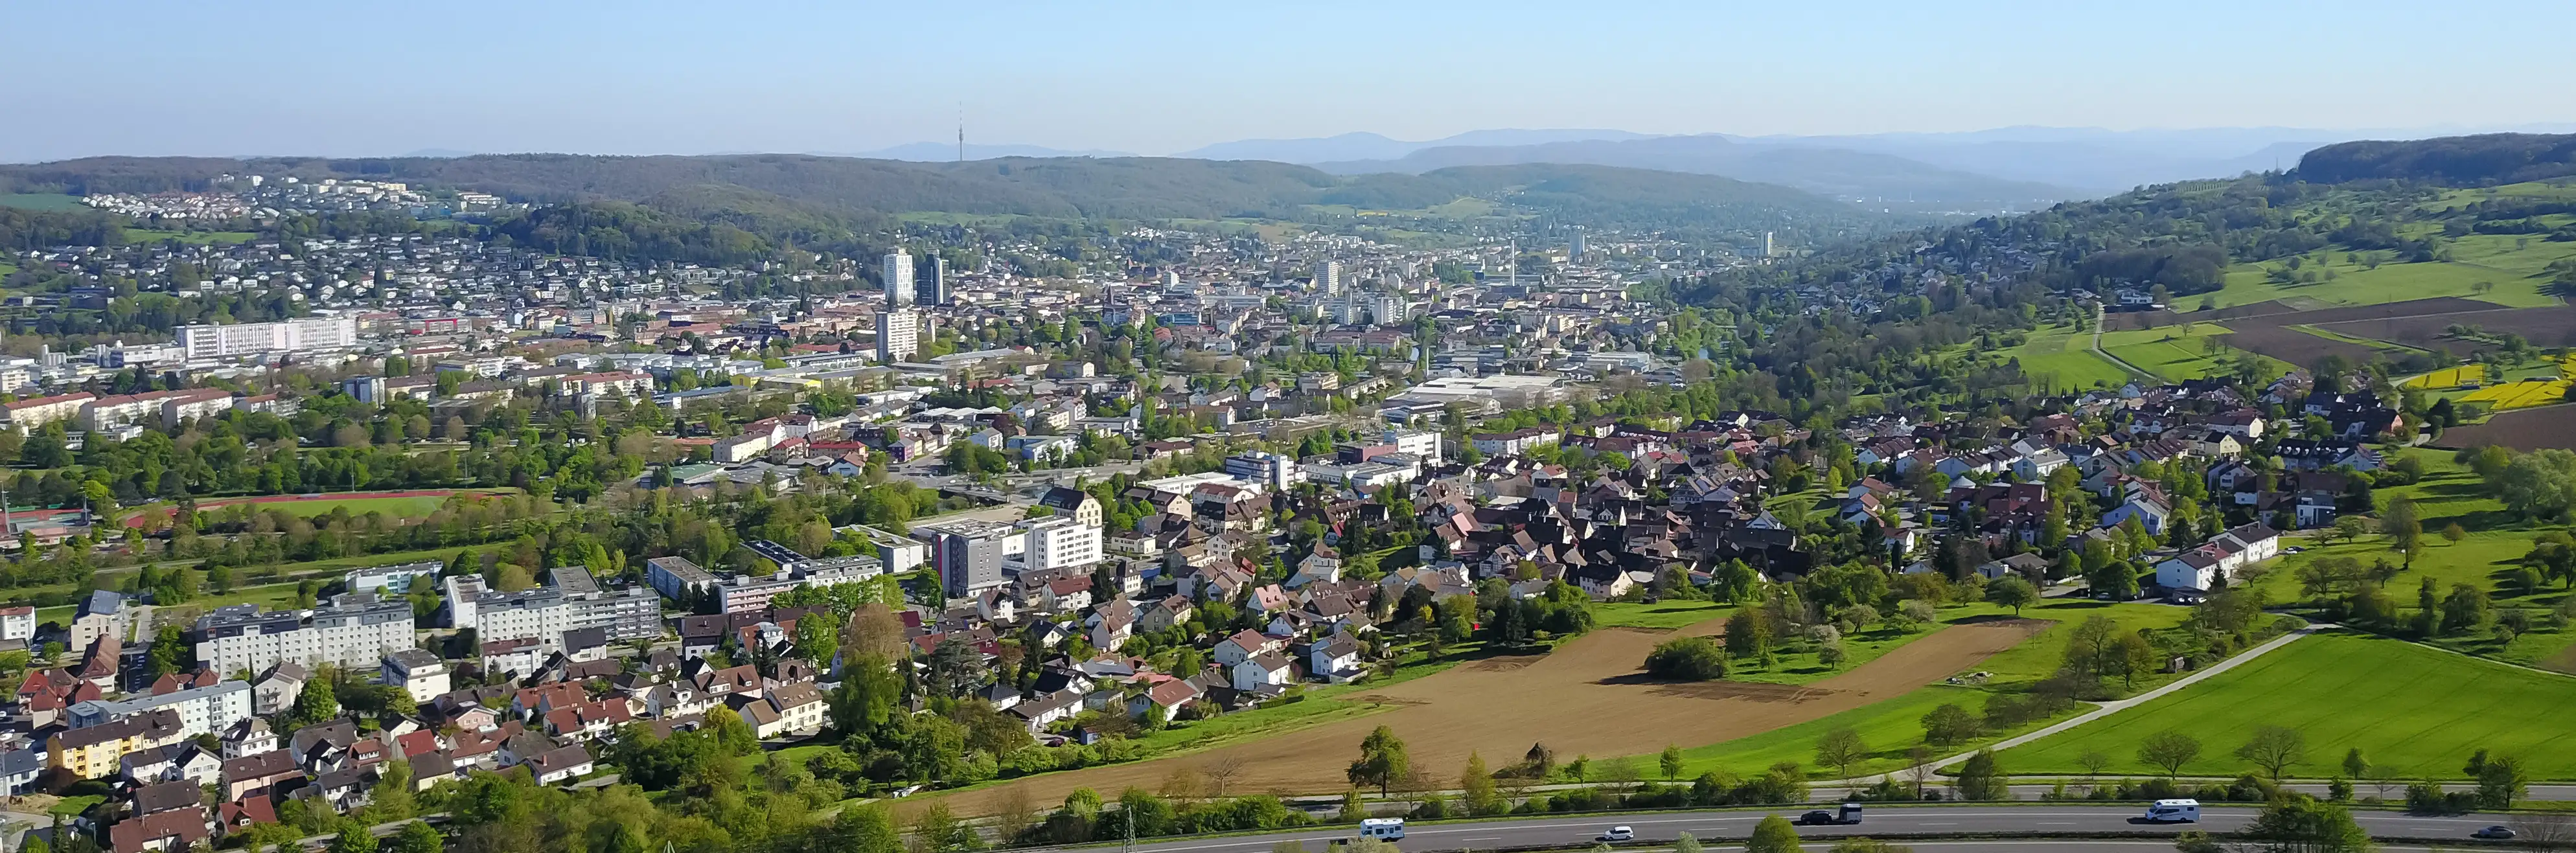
point(1617, 833)
point(2494, 833)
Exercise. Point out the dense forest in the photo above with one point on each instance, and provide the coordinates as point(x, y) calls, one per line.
point(2456, 161)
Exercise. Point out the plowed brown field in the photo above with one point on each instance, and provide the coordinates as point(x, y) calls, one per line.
point(1585, 699)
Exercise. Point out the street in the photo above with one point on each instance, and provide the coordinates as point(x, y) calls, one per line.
point(1664, 827)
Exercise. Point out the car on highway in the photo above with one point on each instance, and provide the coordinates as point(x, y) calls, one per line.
point(2494, 833)
point(1617, 833)
point(1382, 828)
point(1847, 815)
point(2173, 811)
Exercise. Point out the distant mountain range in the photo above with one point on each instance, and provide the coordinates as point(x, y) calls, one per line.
point(1370, 146)
point(1875, 179)
point(945, 152)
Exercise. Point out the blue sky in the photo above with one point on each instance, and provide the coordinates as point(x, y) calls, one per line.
point(255, 77)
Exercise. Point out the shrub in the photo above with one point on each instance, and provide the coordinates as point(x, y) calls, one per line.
point(1687, 659)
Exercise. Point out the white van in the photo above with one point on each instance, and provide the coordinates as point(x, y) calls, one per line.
point(1382, 828)
point(2174, 811)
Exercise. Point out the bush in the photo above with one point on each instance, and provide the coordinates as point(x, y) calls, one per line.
point(1687, 659)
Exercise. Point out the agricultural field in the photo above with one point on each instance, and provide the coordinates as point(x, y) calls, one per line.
point(2520, 395)
point(2448, 378)
point(2521, 429)
point(2414, 712)
point(2067, 358)
point(1499, 706)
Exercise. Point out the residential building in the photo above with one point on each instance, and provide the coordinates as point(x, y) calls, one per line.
point(897, 276)
point(199, 710)
point(1059, 543)
point(356, 630)
point(968, 554)
point(898, 336)
point(301, 335)
point(419, 672)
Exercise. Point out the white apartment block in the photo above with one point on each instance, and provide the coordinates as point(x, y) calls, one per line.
point(898, 278)
point(898, 336)
point(202, 710)
point(311, 333)
point(18, 624)
point(539, 614)
point(355, 631)
point(1059, 543)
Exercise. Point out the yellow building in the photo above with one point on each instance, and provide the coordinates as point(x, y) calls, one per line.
point(93, 752)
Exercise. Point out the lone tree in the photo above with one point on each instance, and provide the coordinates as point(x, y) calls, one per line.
point(2170, 750)
point(2012, 591)
point(1773, 835)
point(1840, 749)
point(1381, 761)
point(1670, 761)
point(2274, 748)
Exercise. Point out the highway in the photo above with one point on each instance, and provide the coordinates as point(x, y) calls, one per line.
point(1664, 827)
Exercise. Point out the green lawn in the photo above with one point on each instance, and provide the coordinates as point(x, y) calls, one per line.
point(1893, 727)
point(2175, 353)
point(42, 201)
point(2414, 711)
point(412, 507)
point(1890, 729)
point(155, 235)
point(2486, 558)
point(2067, 358)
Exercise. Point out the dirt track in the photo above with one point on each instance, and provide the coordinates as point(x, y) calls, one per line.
point(1582, 700)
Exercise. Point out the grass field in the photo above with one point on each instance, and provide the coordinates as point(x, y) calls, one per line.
point(412, 507)
point(41, 201)
point(2506, 269)
point(2067, 357)
point(2449, 494)
point(1892, 727)
point(155, 235)
point(2176, 353)
point(2414, 711)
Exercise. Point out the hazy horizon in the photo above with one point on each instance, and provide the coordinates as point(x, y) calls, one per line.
point(295, 78)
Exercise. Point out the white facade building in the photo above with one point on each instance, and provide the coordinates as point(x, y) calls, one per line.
point(307, 334)
point(202, 710)
point(1060, 543)
point(898, 278)
point(357, 630)
point(898, 336)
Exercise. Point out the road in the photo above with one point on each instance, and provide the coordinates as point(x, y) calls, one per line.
point(1664, 827)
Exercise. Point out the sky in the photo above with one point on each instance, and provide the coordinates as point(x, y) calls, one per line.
point(260, 77)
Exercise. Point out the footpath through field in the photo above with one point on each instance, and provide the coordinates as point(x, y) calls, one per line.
point(2107, 708)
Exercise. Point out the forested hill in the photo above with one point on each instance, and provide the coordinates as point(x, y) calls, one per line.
point(2452, 161)
point(1128, 188)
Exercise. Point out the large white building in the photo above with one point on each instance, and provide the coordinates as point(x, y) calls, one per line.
point(898, 278)
point(898, 336)
point(356, 630)
point(202, 710)
point(307, 334)
point(1328, 277)
point(1057, 542)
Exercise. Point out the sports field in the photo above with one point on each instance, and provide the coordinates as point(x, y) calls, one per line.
point(2415, 712)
